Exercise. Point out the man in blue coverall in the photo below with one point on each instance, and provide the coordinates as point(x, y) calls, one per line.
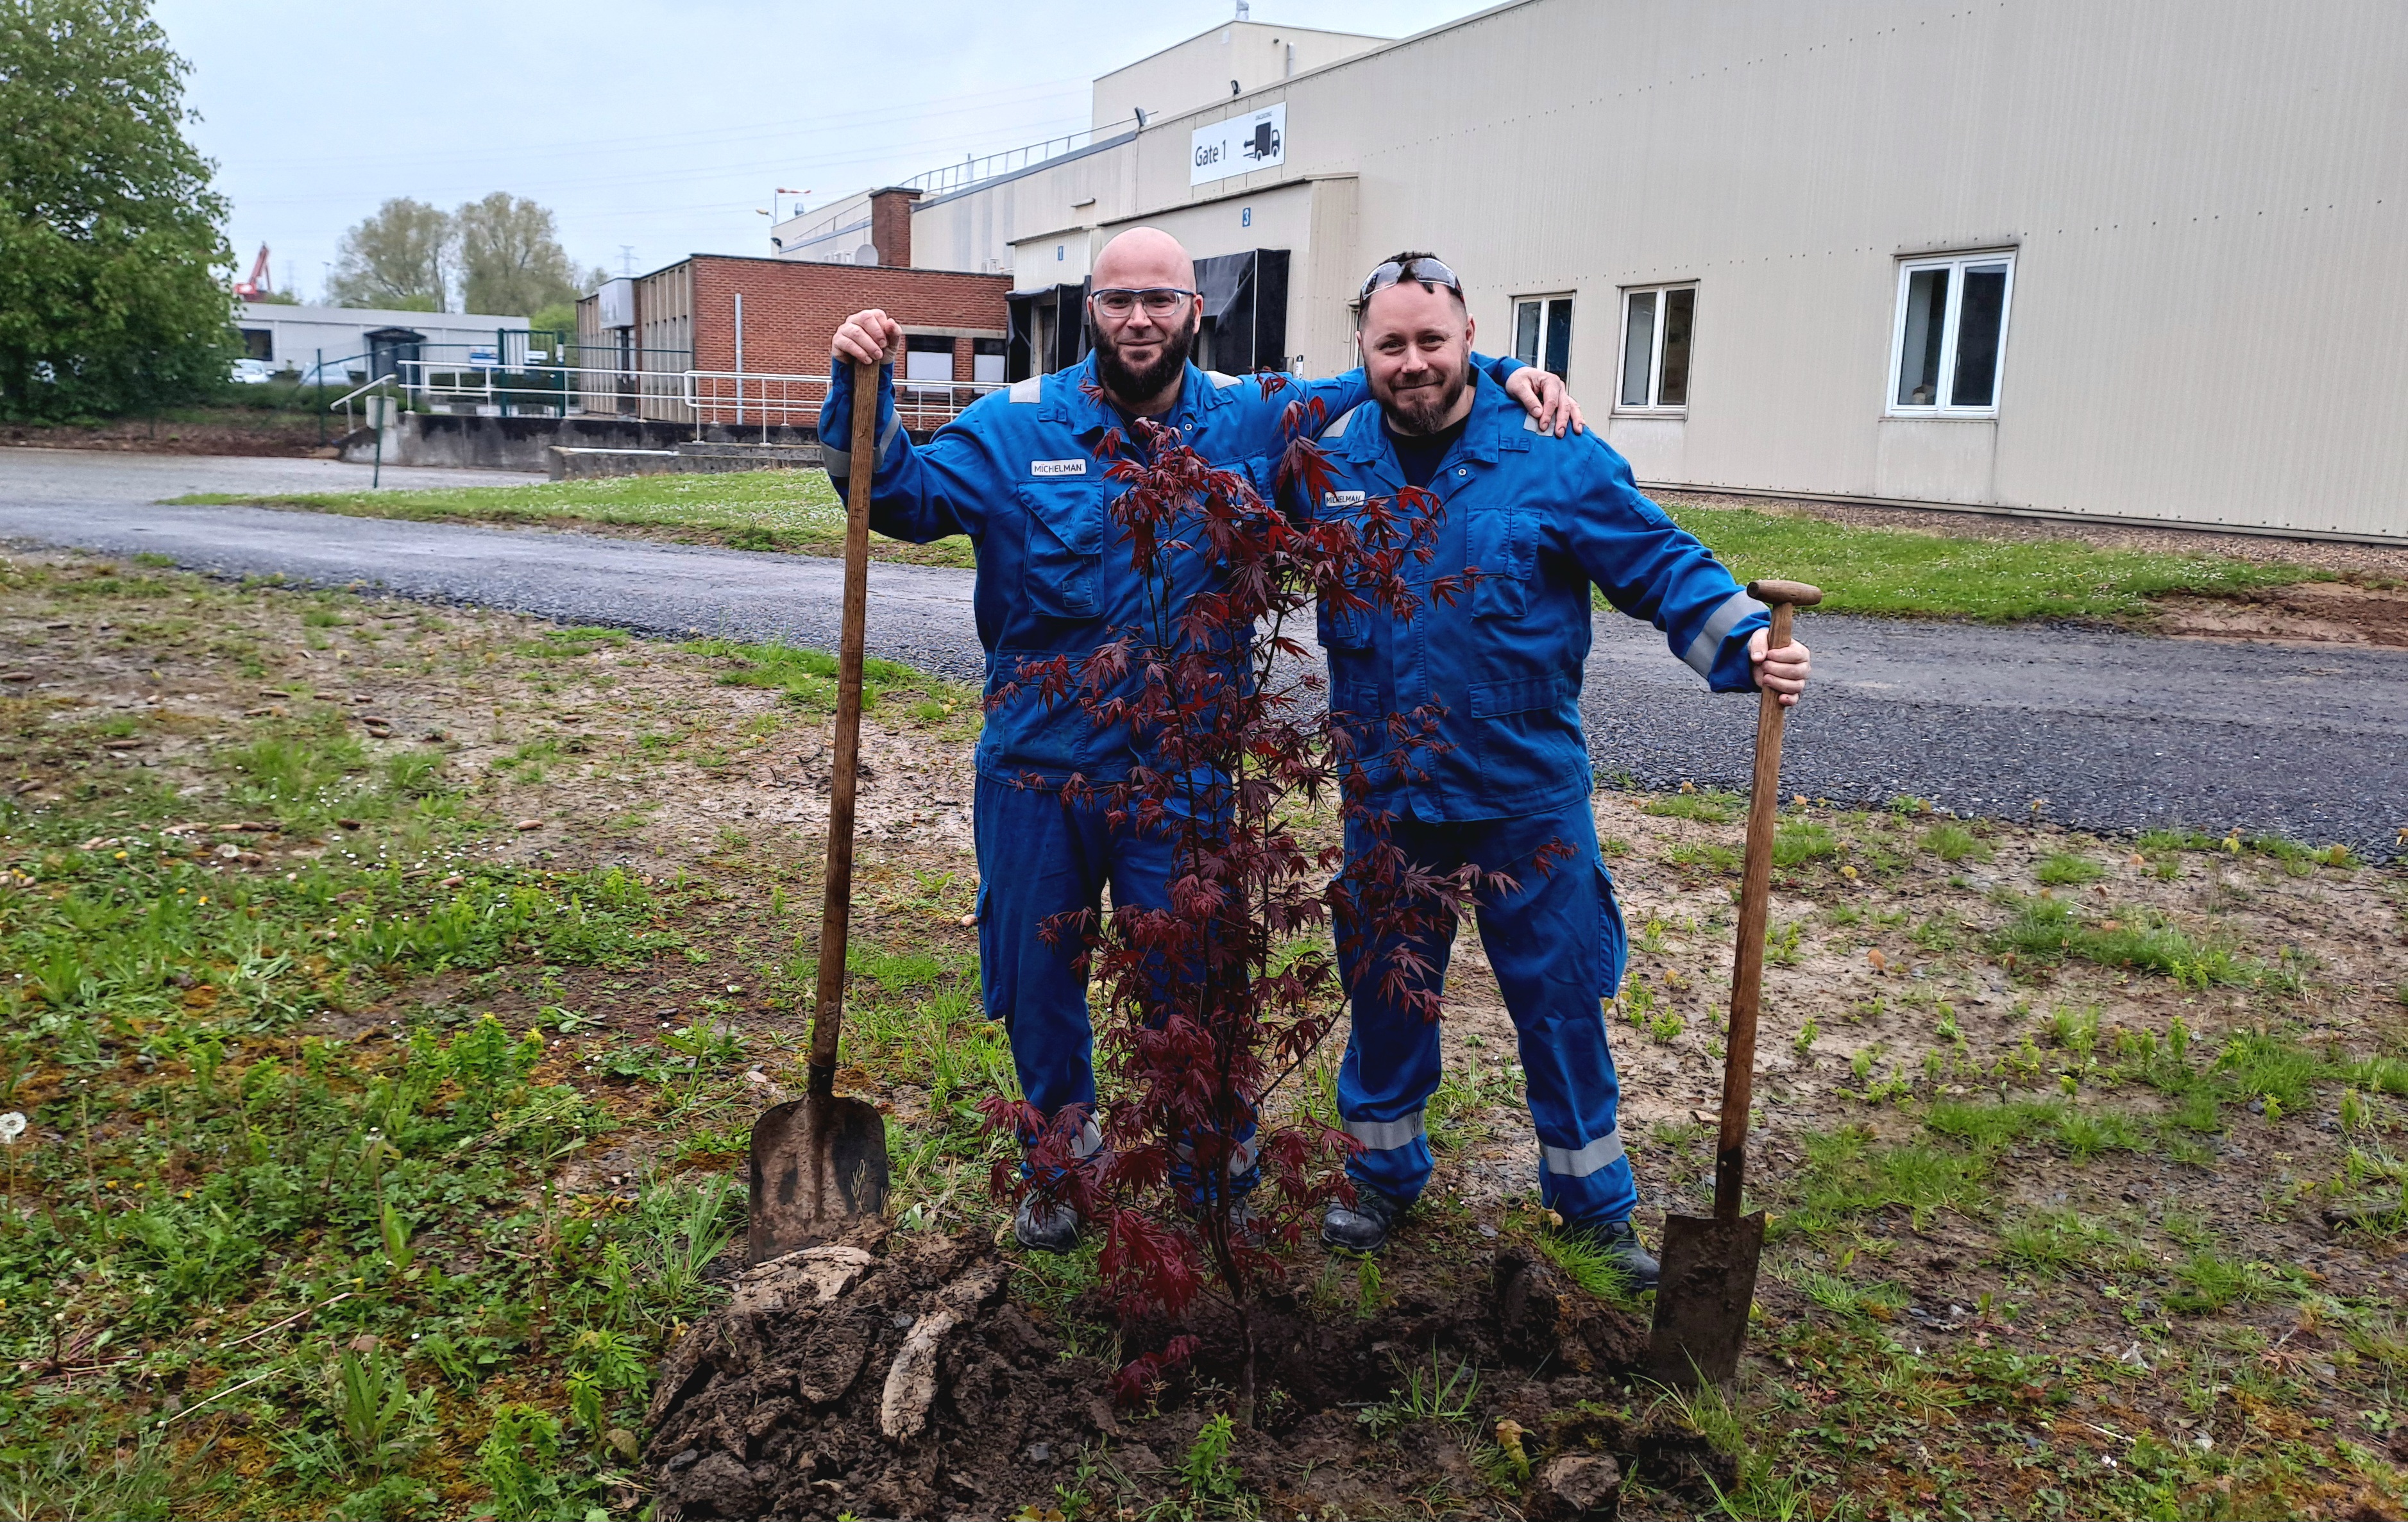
point(1542, 519)
point(1018, 473)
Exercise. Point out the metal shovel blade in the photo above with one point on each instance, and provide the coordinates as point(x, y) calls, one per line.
point(818, 1163)
point(1702, 1299)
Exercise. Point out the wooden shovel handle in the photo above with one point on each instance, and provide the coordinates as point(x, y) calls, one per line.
point(836, 904)
point(1754, 896)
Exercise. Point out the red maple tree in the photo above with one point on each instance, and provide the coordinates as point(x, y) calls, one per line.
point(1213, 1002)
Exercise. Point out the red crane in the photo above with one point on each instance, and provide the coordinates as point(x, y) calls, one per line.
point(250, 289)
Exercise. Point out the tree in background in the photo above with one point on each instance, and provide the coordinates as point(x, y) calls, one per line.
point(501, 254)
point(113, 267)
point(511, 257)
point(399, 259)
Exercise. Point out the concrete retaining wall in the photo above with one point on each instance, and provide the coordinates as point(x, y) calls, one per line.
point(437, 439)
point(569, 463)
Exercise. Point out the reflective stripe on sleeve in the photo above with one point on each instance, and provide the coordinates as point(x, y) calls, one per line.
point(1719, 623)
point(839, 462)
point(1386, 1134)
point(1579, 1163)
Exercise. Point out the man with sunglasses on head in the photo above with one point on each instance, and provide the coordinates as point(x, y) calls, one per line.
point(1531, 522)
point(1018, 473)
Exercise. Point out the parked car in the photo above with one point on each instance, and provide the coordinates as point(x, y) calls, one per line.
point(252, 372)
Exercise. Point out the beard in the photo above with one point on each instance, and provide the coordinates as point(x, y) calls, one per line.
point(1125, 383)
point(1423, 410)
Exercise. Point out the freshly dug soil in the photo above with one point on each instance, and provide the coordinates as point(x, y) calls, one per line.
point(781, 1403)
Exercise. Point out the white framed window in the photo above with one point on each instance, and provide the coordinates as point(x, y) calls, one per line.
point(1656, 324)
point(1948, 346)
point(1542, 333)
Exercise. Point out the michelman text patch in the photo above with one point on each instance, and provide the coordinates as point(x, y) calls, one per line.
point(1342, 499)
point(1057, 467)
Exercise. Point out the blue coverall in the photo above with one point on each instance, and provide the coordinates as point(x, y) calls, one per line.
point(1542, 519)
point(1017, 473)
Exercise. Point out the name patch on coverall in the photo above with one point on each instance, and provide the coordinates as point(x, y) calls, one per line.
point(1342, 499)
point(1057, 467)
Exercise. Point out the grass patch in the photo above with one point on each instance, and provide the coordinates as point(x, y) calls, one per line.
point(1796, 844)
point(1711, 807)
point(2066, 869)
point(1591, 1268)
point(2045, 931)
point(750, 509)
point(1953, 844)
point(1846, 1174)
point(1906, 572)
point(808, 679)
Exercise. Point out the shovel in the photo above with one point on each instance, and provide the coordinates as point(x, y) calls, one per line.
point(1709, 1273)
point(820, 1162)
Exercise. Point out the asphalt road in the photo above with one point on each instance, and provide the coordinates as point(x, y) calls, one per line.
point(2114, 732)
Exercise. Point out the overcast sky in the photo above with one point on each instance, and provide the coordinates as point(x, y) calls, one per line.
point(652, 126)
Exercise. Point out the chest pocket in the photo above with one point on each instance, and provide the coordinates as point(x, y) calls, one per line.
point(1348, 630)
point(1497, 539)
point(1065, 545)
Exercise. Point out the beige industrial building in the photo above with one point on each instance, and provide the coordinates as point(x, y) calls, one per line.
point(2132, 261)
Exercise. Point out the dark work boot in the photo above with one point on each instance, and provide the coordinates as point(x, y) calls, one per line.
point(1362, 1227)
point(1618, 1243)
point(1045, 1228)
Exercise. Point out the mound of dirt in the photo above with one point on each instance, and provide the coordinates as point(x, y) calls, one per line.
point(896, 1377)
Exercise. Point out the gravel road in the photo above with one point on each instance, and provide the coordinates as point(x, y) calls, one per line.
point(2114, 732)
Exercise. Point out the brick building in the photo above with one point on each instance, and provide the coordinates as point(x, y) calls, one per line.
point(732, 339)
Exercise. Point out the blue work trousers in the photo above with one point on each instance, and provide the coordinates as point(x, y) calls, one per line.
point(1557, 947)
point(1040, 855)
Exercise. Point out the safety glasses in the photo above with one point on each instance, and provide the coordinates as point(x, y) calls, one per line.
point(1158, 301)
point(1424, 269)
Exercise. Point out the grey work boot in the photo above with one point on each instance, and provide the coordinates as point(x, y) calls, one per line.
point(1362, 1227)
point(1044, 1228)
point(1618, 1243)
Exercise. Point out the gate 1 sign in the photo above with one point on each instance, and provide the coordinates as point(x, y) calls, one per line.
point(1240, 145)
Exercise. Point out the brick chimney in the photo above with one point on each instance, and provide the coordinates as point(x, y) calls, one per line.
point(890, 224)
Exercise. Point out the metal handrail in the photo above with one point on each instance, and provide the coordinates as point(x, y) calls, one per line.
point(344, 401)
point(751, 399)
point(948, 177)
point(740, 398)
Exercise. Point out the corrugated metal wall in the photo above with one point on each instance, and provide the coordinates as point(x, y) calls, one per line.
point(2208, 202)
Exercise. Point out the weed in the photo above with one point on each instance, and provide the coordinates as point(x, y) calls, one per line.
point(1590, 1267)
point(2212, 1282)
point(1211, 1478)
point(1794, 844)
point(2066, 869)
point(1713, 858)
point(1781, 947)
point(1711, 807)
point(1953, 844)
point(1848, 1298)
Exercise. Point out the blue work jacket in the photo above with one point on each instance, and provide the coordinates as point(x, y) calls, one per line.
point(1542, 519)
point(1018, 473)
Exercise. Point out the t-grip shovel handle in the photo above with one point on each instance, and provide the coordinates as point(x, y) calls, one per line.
point(836, 904)
point(1755, 891)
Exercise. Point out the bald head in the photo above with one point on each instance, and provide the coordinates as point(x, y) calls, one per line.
point(1144, 257)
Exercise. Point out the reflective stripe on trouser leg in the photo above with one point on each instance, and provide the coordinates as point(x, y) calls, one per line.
point(1558, 948)
point(1239, 1169)
point(1391, 1066)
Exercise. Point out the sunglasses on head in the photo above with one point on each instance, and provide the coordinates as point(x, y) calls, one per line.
point(1425, 269)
